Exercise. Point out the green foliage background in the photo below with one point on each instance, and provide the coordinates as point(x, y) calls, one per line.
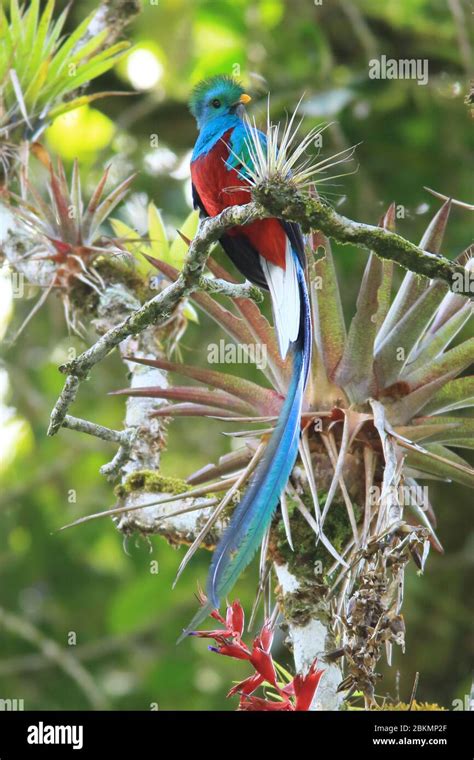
point(84, 580)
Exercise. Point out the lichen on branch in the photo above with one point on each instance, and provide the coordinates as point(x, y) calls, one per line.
point(281, 200)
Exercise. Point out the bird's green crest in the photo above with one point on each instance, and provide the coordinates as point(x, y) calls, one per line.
point(218, 86)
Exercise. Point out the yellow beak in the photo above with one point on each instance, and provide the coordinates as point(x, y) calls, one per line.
point(244, 99)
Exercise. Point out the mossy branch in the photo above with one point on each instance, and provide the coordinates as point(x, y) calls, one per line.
point(271, 199)
point(281, 200)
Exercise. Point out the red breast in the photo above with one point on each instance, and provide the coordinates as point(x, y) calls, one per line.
point(218, 187)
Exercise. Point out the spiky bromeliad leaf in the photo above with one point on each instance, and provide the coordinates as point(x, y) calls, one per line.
point(73, 241)
point(393, 353)
point(405, 408)
point(159, 245)
point(55, 220)
point(263, 399)
point(219, 400)
point(185, 409)
point(385, 290)
point(446, 429)
point(452, 302)
point(413, 286)
point(355, 370)
point(329, 326)
point(456, 394)
point(452, 362)
point(407, 340)
point(179, 248)
point(436, 342)
point(438, 460)
point(38, 67)
point(228, 463)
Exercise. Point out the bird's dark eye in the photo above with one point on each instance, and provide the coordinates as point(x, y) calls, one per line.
point(216, 103)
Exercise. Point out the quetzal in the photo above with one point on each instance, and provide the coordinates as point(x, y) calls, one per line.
point(269, 253)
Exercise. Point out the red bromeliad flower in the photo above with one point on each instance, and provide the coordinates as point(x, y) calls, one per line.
point(69, 231)
point(303, 688)
point(296, 695)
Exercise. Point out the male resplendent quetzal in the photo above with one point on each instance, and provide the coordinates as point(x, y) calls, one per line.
point(270, 253)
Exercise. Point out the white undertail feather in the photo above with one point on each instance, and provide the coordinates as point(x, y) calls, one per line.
point(285, 295)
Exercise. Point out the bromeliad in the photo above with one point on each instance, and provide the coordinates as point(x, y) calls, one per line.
point(289, 694)
point(270, 253)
